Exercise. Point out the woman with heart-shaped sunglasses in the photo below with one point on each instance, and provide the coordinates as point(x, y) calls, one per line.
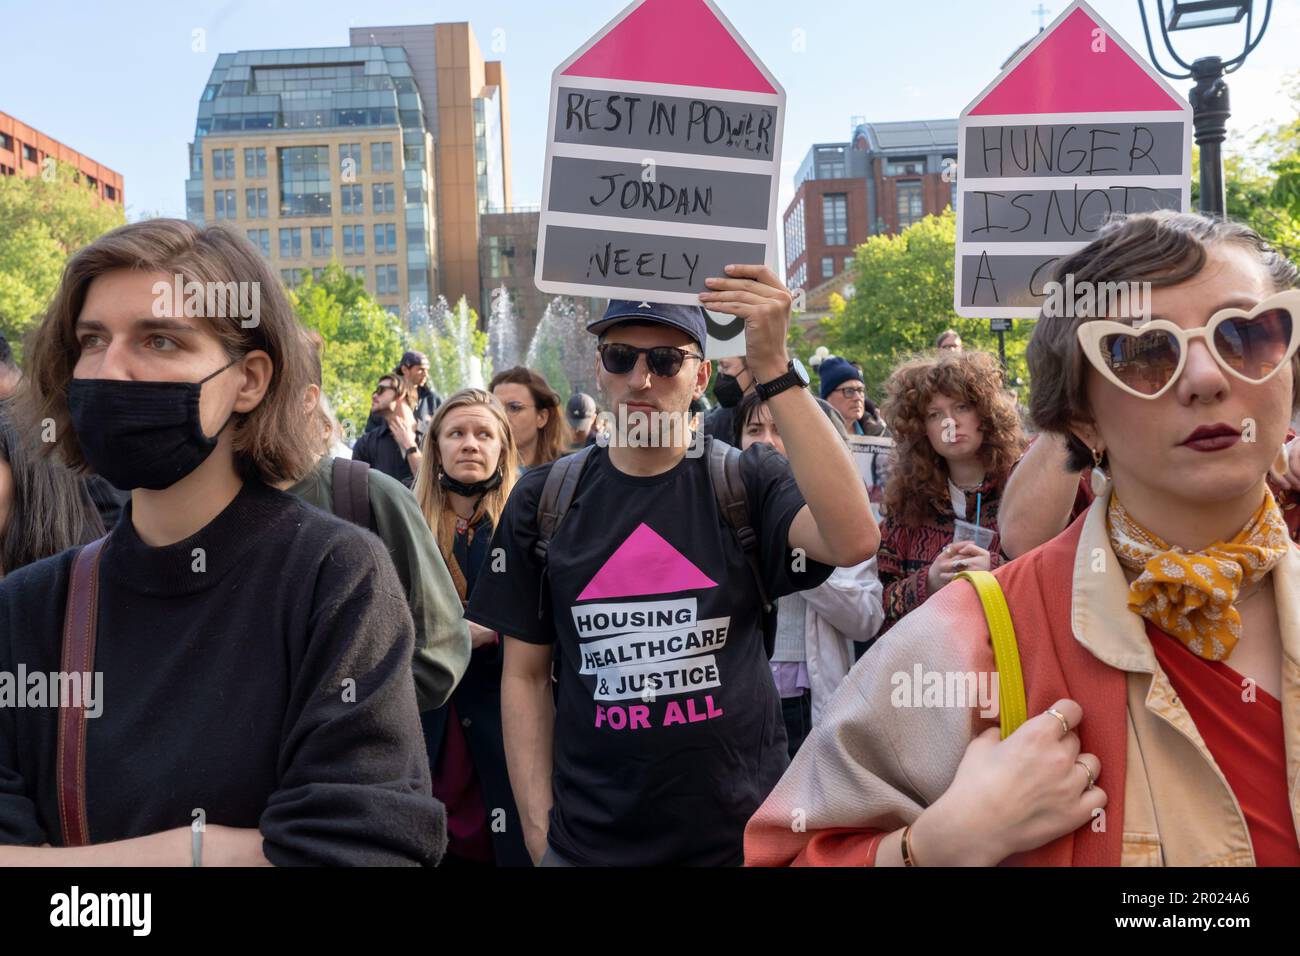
point(1159, 635)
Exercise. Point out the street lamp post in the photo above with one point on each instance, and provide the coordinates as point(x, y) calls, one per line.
point(1209, 97)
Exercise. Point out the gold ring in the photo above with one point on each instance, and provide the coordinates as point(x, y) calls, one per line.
point(1065, 724)
point(1088, 771)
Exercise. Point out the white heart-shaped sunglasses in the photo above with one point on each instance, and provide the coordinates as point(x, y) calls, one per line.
point(1146, 360)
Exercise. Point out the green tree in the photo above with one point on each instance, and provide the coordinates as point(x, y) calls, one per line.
point(361, 340)
point(903, 299)
point(43, 220)
point(1262, 179)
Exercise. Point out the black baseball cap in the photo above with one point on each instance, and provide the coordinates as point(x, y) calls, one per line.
point(581, 407)
point(688, 318)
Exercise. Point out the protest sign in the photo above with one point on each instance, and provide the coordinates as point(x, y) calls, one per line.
point(663, 161)
point(1078, 126)
point(871, 455)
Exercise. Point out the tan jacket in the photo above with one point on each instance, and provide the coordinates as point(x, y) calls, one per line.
point(874, 763)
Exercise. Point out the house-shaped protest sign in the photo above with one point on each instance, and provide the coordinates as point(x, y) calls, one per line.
point(1077, 127)
point(663, 161)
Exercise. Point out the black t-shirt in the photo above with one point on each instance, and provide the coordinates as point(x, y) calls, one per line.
point(668, 729)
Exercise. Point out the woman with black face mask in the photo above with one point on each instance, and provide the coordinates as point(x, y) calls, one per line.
point(245, 658)
point(468, 471)
point(733, 382)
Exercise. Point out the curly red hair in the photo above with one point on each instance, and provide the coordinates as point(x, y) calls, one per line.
point(918, 481)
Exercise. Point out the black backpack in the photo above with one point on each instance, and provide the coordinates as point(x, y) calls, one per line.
point(728, 490)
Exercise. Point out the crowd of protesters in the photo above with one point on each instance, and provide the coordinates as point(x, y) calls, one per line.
point(496, 632)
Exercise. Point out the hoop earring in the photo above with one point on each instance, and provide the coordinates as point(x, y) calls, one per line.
point(1100, 481)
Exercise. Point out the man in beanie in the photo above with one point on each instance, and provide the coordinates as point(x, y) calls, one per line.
point(843, 387)
point(666, 732)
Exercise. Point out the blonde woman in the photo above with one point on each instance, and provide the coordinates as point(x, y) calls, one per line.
point(469, 468)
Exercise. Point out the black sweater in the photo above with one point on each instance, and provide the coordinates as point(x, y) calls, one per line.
point(226, 661)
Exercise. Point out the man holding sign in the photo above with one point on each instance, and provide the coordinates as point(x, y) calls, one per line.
point(667, 731)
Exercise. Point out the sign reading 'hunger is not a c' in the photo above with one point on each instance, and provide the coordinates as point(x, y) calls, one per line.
point(1078, 128)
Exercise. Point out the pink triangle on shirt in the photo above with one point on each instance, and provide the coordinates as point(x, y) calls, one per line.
point(645, 564)
point(680, 42)
point(1063, 74)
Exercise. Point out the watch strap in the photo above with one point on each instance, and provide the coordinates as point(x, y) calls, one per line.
point(768, 390)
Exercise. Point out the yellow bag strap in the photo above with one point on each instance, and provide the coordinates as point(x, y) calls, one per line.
point(1012, 708)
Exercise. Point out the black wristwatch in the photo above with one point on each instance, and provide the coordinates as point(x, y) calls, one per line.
point(796, 375)
point(407, 453)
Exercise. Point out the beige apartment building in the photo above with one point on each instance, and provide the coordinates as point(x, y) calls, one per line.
point(381, 155)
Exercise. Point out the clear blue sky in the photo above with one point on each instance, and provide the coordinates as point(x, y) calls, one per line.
point(121, 83)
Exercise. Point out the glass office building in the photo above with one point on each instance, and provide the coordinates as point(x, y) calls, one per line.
point(321, 154)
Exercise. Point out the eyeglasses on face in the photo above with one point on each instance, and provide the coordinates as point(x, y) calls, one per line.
point(514, 408)
point(852, 391)
point(663, 360)
point(1146, 360)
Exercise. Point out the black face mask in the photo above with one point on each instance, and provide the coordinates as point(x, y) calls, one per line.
point(141, 434)
point(727, 390)
point(469, 491)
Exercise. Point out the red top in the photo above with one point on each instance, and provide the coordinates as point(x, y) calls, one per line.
point(1244, 737)
point(456, 784)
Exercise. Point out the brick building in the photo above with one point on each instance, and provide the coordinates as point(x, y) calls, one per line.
point(887, 177)
point(23, 151)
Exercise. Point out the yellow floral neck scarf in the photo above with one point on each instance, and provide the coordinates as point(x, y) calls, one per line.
point(1191, 595)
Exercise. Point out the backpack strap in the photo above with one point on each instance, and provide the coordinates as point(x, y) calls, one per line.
point(557, 495)
point(352, 491)
point(79, 625)
point(729, 490)
point(1012, 708)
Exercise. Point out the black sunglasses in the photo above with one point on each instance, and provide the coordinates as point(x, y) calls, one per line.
point(663, 360)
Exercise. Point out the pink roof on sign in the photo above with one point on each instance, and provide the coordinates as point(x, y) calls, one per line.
point(678, 42)
point(1068, 71)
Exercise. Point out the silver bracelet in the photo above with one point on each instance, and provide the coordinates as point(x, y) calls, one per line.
point(196, 845)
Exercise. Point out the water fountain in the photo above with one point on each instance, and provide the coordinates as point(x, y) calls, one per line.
point(563, 350)
point(447, 338)
point(503, 332)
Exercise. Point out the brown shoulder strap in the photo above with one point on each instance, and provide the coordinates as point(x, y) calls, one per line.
point(78, 656)
point(352, 491)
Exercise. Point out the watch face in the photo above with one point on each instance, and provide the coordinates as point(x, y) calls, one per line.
point(800, 372)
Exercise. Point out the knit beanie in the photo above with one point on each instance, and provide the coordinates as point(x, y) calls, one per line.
point(834, 372)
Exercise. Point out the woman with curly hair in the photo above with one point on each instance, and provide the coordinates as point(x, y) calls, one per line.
point(957, 437)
